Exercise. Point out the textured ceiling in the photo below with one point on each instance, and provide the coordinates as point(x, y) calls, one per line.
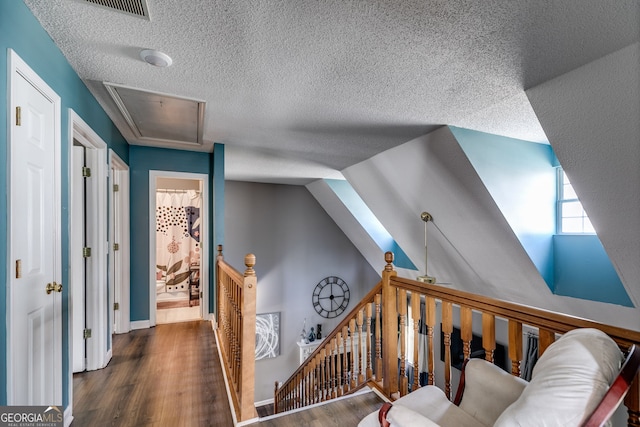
point(301, 89)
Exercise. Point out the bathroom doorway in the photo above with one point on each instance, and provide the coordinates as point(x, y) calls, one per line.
point(177, 246)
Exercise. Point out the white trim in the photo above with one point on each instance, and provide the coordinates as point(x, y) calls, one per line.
point(263, 402)
point(68, 416)
point(15, 65)
point(97, 294)
point(140, 324)
point(119, 174)
point(204, 238)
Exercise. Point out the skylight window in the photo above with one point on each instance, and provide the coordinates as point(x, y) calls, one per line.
point(572, 219)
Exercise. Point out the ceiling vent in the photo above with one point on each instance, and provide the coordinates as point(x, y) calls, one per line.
point(159, 117)
point(137, 8)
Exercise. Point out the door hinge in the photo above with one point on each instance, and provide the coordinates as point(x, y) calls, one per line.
point(86, 172)
point(86, 334)
point(200, 294)
point(18, 116)
point(116, 247)
point(116, 306)
point(86, 252)
point(116, 188)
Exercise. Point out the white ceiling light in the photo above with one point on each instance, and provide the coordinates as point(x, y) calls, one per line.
point(155, 58)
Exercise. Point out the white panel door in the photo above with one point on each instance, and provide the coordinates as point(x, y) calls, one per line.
point(35, 315)
point(77, 274)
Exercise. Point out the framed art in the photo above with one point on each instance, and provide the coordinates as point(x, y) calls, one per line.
point(267, 335)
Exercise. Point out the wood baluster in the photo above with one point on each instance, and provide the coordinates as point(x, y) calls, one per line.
point(327, 380)
point(345, 356)
point(361, 349)
point(369, 308)
point(296, 391)
point(314, 396)
point(303, 386)
point(300, 388)
point(515, 346)
point(545, 339)
point(402, 304)
point(339, 379)
point(309, 369)
point(318, 390)
point(334, 370)
point(447, 329)
point(431, 321)
point(488, 335)
point(352, 376)
point(323, 375)
point(415, 315)
point(632, 402)
point(276, 398)
point(466, 331)
point(378, 339)
point(327, 373)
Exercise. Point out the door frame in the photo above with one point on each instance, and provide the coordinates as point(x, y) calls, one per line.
point(98, 353)
point(119, 289)
point(19, 66)
point(204, 240)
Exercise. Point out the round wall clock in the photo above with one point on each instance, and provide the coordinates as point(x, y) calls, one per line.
point(331, 297)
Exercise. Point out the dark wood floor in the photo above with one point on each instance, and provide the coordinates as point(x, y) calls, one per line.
point(341, 413)
point(169, 375)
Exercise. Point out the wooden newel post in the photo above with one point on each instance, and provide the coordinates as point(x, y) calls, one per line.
point(389, 328)
point(248, 363)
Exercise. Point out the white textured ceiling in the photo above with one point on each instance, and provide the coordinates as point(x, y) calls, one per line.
point(300, 89)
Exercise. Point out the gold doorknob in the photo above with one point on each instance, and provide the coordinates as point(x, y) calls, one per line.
point(53, 287)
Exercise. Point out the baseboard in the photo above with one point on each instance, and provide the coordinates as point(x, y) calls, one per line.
point(140, 324)
point(263, 402)
point(68, 416)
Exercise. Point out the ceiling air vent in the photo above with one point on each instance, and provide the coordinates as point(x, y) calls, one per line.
point(133, 7)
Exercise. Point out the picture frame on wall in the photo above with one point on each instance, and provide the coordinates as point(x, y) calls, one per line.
point(267, 335)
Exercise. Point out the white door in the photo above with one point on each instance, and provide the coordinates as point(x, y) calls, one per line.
point(77, 272)
point(35, 325)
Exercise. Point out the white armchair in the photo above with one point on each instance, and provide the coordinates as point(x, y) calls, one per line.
point(579, 381)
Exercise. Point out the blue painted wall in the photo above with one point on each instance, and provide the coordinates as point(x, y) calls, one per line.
point(142, 160)
point(521, 178)
point(217, 176)
point(368, 221)
point(583, 270)
point(20, 31)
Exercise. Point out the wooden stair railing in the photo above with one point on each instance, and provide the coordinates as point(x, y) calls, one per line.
point(236, 332)
point(400, 293)
point(348, 358)
point(393, 310)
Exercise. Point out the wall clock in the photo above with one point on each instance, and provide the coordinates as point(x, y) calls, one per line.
point(331, 297)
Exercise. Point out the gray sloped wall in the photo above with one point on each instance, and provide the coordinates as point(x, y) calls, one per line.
point(591, 116)
point(471, 245)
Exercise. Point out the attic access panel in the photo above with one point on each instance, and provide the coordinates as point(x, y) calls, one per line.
point(159, 117)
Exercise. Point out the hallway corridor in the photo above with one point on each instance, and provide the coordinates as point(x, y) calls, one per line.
point(169, 375)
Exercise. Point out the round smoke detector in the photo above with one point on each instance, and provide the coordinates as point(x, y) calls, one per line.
point(155, 58)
